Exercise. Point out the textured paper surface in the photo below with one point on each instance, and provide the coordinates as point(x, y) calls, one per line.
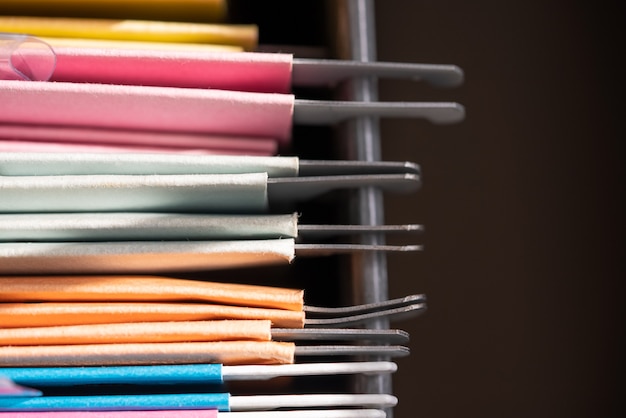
point(163, 374)
point(133, 30)
point(124, 402)
point(245, 71)
point(21, 315)
point(69, 147)
point(58, 42)
point(145, 257)
point(142, 226)
point(45, 164)
point(145, 289)
point(42, 135)
point(225, 352)
point(184, 10)
point(222, 193)
point(139, 332)
point(180, 413)
point(200, 111)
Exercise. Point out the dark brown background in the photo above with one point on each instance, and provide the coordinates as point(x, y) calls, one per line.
point(523, 260)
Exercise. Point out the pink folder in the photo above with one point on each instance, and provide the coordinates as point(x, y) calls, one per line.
point(23, 137)
point(167, 109)
point(69, 147)
point(243, 71)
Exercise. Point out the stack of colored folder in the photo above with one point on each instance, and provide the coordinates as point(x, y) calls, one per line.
point(142, 137)
point(114, 94)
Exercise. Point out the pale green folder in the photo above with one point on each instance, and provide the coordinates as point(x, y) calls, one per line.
point(144, 226)
point(55, 164)
point(225, 193)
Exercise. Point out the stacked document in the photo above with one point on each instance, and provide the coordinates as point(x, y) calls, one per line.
point(149, 177)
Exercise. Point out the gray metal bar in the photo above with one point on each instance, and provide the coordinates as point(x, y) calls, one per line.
point(369, 271)
point(323, 72)
point(321, 112)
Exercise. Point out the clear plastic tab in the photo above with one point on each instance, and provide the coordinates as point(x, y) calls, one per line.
point(24, 57)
